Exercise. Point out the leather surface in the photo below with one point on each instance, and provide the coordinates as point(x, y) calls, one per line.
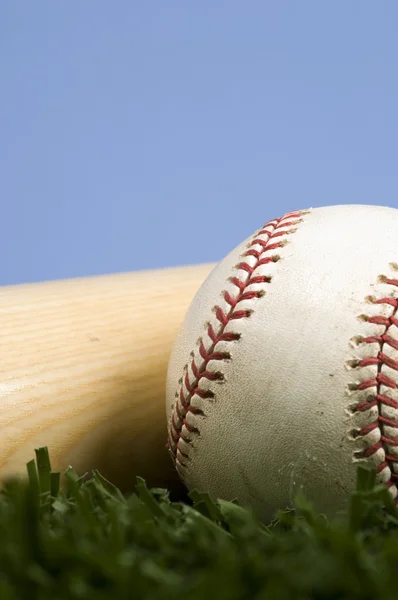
point(284, 419)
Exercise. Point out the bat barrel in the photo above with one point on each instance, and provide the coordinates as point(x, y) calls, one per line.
point(83, 368)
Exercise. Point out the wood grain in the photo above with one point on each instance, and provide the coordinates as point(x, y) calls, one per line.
point(82, 370)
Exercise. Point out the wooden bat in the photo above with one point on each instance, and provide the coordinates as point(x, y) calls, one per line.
point(83, 369)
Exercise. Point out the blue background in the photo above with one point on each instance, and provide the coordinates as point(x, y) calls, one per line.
point(140, 135)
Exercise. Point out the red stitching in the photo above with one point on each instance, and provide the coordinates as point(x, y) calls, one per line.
point(273, 229)
point(381, 360)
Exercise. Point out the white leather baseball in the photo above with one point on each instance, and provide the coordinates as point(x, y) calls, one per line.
point(283, 375)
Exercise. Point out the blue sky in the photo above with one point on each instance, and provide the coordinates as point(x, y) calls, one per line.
point(140, 135)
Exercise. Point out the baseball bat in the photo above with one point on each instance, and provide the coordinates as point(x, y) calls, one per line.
point(83, 369)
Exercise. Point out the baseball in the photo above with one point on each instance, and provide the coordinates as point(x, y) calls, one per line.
point(283, 376)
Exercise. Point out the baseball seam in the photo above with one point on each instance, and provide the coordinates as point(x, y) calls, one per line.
point(275, 234)
point(373, 435)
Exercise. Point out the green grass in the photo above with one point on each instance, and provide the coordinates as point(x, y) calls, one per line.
point(90, 541)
